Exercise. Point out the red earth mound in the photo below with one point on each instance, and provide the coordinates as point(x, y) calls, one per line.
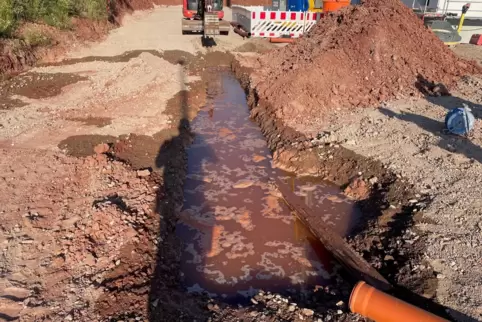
point(357, 57)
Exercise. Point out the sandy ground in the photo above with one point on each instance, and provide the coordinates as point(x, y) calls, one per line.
point(133, 93)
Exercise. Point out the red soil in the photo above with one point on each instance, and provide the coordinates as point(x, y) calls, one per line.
point(357, 57)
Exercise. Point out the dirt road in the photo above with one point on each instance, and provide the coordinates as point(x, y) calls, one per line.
point(93, 161)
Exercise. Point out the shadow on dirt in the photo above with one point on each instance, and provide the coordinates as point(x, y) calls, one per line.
point(431, 306)
point(451, 143)
point(438, 94)
point(166, 300)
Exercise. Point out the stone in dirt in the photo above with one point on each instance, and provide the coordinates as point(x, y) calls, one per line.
point(143, 173)
point(17, 292)
point(308, 312)
point(357, 189)
point(357, 57)
point(101, 148)
point(243, 184)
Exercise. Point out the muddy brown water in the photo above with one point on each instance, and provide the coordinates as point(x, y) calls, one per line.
point(238, 234)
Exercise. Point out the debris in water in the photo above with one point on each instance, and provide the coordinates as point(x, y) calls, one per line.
point(243, 184)
point(226, 133)
point(258, 158)
point(216, 248)
point(334, 199)
point(199, 178)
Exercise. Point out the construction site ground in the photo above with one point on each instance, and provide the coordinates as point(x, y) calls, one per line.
point(93, 161)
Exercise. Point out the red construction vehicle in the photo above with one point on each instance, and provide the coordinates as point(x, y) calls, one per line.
point(204, 16)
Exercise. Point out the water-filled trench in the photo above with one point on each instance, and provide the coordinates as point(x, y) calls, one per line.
point(238, 234)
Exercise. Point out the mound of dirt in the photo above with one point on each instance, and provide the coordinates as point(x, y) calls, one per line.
point(357, 57)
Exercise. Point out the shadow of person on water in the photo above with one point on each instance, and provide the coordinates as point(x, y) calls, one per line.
point(168, 301)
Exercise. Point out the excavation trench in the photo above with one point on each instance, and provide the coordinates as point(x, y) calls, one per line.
point(238, 235)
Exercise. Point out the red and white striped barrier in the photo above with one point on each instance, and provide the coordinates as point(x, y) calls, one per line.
point(311, 19)
point(261, 23)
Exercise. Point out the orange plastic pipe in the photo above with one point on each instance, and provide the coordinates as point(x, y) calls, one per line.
point(381, 307)
point(281, 40)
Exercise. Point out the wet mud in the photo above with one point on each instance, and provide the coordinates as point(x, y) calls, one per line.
point(38, 85)
point(8, 103)
point(34, 86)
point(238, 236)
point(83, 145)
point(92, 121)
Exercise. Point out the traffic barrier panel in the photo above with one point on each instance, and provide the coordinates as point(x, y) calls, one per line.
point(274, 24)
point(311, 19)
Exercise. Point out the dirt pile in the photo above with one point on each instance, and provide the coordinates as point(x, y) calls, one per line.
point(357, 57)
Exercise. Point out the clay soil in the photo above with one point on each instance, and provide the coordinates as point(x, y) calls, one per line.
point(358, 57)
